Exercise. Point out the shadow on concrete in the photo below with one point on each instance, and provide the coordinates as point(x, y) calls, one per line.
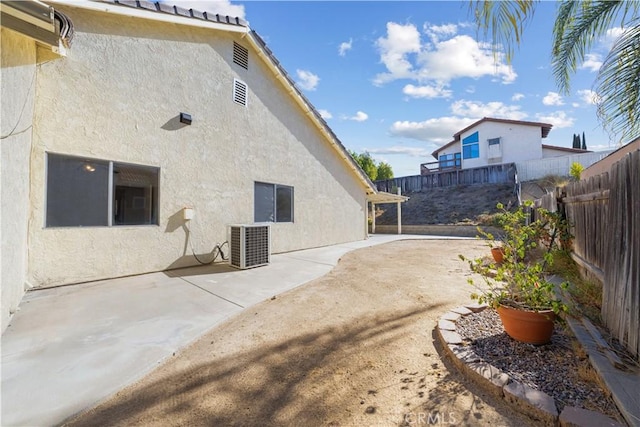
point(286, 382)
point(217, 267)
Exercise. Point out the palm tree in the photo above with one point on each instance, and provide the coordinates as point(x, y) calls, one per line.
point(578, 25)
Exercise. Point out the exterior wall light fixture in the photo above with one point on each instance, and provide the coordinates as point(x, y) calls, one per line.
point(185, 118)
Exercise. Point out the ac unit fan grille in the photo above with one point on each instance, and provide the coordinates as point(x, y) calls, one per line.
point(235, 257)
point(249, 246)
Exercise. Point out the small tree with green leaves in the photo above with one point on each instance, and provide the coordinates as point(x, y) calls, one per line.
point(576, 170)
point(384, 171)
point(519, 280)
point(373, 169)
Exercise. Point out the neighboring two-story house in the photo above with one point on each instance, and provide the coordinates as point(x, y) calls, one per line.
point(497, 141)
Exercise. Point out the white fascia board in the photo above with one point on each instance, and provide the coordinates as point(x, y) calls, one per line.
point(149, 14)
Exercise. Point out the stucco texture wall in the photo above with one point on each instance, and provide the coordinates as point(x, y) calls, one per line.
point(117, 96)
point(17, 90)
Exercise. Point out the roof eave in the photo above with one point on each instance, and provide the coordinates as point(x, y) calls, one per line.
point(123, 9)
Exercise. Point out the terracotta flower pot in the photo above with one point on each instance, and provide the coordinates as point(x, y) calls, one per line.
point(533, 327)
point(498, 254)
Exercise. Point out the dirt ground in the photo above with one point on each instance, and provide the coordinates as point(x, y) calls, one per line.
point(353, 348)
point(465, 205)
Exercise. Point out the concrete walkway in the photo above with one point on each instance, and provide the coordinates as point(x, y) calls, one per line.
point(68, 348)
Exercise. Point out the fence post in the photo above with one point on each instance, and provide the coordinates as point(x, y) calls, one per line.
point(399, 215)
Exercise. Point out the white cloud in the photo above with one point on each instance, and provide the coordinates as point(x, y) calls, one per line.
point(600, 147)
point(517, 96)
point(307, 80)
point(588, 96)
point(400, 41)
point(325, 114)
point(409, 151)
point(552, 98)
point(437, 31)
point(558, 119)
point(344, 47)
point(611, 36)
point(592, 62)
point(439, 130)
point(428, 92)
point(477, 110)
point(445, 57)
point(358, 117)
point(462, 56)
point(222, 7)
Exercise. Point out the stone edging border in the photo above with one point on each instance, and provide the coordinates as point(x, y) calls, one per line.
point(533, 403)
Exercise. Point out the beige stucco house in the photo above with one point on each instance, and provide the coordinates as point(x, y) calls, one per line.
point(147, 110)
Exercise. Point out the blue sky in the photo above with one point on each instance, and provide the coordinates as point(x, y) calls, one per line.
point(398, 79)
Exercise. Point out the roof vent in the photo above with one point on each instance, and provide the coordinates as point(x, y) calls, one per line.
point(240, 92)
point(240, 56)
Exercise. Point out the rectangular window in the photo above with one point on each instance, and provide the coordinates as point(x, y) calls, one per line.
point(494, 151)
point(135, 194)
point(89, 192)
point(471, 146)
point(273, 202)
point(450, 160)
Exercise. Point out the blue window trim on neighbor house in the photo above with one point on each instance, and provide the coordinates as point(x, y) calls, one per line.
point(471, 146)
point(450, 161)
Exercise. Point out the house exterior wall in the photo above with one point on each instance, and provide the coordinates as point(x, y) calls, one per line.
point(550, 152)
point(604, 165)
point(518, 143)
point(117, 95)
point(17, 90)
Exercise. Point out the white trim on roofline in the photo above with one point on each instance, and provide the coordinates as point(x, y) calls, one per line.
point(133, 12)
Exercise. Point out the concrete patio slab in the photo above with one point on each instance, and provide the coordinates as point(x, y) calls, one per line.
point(68, 348)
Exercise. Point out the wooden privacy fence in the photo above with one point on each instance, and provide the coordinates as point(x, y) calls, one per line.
point(494, 174)
point(604, 213)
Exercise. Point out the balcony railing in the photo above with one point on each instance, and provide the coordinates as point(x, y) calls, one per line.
point(433, 167)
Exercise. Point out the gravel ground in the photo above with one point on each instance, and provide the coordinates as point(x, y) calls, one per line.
point(559, 368)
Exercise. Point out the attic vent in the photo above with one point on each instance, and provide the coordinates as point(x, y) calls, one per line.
point(240, 56)
point(240, 92)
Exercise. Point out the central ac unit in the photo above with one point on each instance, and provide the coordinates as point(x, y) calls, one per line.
point(249, 245)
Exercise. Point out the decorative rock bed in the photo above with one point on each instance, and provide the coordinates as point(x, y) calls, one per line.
point(463, 331)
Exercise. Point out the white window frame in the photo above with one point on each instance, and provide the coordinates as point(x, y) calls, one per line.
point(272, 215)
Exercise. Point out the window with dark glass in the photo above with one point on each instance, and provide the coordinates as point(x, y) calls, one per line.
point(91, 192)
point(273, 202)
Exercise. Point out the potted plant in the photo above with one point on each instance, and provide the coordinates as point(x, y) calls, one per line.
point(516, 287)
